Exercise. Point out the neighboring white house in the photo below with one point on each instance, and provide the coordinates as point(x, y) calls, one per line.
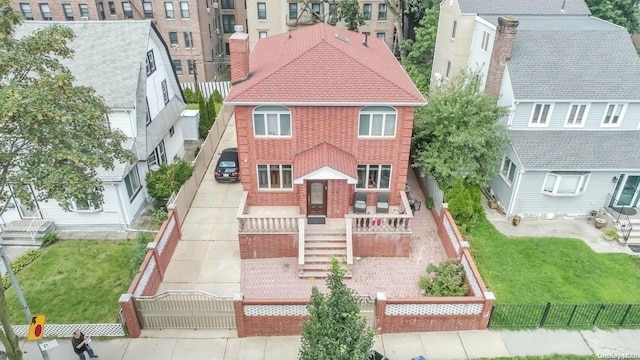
point(128, 64)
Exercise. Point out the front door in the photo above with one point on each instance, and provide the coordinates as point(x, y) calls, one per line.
point(628, 190)
point(317, 197)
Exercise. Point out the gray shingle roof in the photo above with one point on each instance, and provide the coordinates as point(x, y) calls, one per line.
point(522, 7)
point(571, 58)
point(118, 171)
point(108, 55)
point(576, 150)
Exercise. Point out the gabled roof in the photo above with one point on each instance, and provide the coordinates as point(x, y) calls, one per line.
point(108, 55)
point(573, 58)
point(324, 161)
point(577, 150)
point(524, 7)
point(324, 64)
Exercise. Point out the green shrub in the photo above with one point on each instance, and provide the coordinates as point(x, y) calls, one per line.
point(217, 97)
point(203, 121)
point(430, 203)
point(140, 250)
point(445, 279)
point(158, 216)
point(196, 151)
point(20, 263)
point(211, 105)
point(189, 96)
point(49, 239)
point(168, 179)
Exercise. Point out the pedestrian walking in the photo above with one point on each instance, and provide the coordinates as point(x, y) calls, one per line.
point(80, 344)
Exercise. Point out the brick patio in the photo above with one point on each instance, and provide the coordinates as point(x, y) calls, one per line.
point(397, 277)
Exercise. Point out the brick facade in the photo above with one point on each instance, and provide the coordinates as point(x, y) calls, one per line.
point(262, 246)
point(501, 54)
point(381, 244)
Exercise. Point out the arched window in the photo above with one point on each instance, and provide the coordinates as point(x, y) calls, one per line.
point(271, 121)
point(377, 121)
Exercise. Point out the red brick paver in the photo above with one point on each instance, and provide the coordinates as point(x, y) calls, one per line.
point(396, 277)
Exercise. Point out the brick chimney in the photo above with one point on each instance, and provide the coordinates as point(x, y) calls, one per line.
point(239, 50)
point(501, 54)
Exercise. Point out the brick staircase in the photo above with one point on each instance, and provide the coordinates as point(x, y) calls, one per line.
point(16, 233)
point(320, 245)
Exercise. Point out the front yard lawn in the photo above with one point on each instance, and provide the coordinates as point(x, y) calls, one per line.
point(75, 281)
point(556, 270)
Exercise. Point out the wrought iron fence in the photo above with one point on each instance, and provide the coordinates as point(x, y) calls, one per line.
point(564, 315)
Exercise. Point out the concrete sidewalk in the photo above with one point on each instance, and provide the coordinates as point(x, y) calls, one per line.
point(452, 345)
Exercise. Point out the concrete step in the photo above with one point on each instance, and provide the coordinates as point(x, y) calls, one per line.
point(326, 231)
point(325, 237)
point(325, 245)
point(324, 260)
point(26, 241)
point(337, 252)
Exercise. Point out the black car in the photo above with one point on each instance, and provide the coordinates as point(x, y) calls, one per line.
point(377, 356)
point(227, 168)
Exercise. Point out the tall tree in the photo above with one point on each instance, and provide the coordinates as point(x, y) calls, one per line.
point(457, 135)
point(405, 13)
point(620, 12)
point(53, 134)
point(335, 330)
point(347, 11)
point(419, 52)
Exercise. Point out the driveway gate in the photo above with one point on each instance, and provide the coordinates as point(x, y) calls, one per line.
point(185, 310)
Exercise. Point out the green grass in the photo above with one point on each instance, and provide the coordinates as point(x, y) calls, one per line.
point(556, 270)
point(75, 281)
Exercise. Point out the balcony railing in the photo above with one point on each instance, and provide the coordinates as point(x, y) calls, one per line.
point(260, 224)
point(392, 222)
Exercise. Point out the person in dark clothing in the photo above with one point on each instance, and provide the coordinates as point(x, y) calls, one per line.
point(80, 344)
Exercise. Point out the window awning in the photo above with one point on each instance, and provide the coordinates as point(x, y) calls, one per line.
point(324, 162)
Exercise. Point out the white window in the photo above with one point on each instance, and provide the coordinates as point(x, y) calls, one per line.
point(381, 35)
point(158, 156)
point(165, 92)
point(577, 114)
point(485, 41)
point(262, 11)
point(540, 115)
point(275, 177)
point(374, 177)
point(87, 205)
point(262, 34)
point(613, 115)
point(184, 10)
point(378, 121)
point(132, 182)
point(271, 121)
point(46, 12)
point(565, 183)
point(508, 170)
point(168, 10)
point(453, 31)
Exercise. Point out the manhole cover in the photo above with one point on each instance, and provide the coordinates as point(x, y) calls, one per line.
point(635, 248)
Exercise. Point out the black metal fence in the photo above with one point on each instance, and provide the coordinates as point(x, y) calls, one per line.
point(564, 315)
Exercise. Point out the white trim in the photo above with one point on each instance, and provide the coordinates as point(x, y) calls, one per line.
point(547, 119)
point(620, 116)
point(371, 113)
point(264, 113)
point(367, 180)
point(269, 178)
point(485, 36)
point(253, 103)
point(484, 22)
point(514, 192)
point(325, 173)
point(512, 169)
point(585, 115)
point(581, 188)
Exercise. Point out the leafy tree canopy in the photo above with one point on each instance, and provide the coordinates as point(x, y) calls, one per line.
point(620, 12)
point(347, 11)
point(419, 52)
point(335, 330)
point(457, 135)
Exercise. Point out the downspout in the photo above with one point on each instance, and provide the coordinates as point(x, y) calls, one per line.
point(123, 210)
point(514, 195)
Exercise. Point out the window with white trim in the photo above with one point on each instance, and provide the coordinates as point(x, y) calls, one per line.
point(184, 10)
point(508, 170)
point(613, 115)
point(151, 62)
point(484, 45)
point(275, 177)
point(377, 121)
point(540, 115)
point(158, 156)
point(132, 182)
point(262, 11)
point(45, 10)
point(165, 92)
point(147, 8)
point(577, 114)
point(382, 12)
point(262, 34)
point(26, 11)
point(271, 121)
point(565, 183)
point(168, 10)
point(89, 204)
point(126, 9)
point(374, 177)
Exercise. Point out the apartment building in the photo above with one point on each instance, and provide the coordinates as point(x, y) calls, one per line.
point(265, 18)
point(196, 31)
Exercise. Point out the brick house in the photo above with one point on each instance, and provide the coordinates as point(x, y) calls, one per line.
point(321, 113)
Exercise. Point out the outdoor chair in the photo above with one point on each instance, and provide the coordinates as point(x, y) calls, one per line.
point(360, 203)
point(382, 203)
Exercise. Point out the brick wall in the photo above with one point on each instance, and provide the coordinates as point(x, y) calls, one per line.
point(261, 246)
point(372, 244)
point(277, 318)
point(325, 121)
point(501, 53)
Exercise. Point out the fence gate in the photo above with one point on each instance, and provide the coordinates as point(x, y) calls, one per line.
point(185, 310)
point(368, 310)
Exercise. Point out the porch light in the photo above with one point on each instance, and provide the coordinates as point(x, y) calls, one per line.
point(614, 180)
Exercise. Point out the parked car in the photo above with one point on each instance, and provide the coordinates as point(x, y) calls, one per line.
point(377, 356)
point(227, 168)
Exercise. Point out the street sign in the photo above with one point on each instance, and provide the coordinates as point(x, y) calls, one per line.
point(44, 346)
point(36, 327)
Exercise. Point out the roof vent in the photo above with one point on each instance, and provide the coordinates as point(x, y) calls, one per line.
point(342, 38)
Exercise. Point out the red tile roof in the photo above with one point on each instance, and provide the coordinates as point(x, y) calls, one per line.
point(324, 64)
point(322, 155)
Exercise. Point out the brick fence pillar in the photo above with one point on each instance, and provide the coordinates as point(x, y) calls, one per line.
point(463, 245)
point(489, 299)
point(238, 308)
point(381, 305)
point(130, 316)
point(162, 265)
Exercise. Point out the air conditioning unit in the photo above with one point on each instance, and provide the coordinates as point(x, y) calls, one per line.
point(215, 5)
point(208, 10)
point(238, 28)
point(437, 78)
point(85, 18)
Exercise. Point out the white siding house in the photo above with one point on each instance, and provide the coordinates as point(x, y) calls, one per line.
point(131, 69)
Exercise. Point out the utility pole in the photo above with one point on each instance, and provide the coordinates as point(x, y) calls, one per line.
point(23, 302)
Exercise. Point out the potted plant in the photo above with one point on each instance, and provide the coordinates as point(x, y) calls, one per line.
point(600, 223)
point(516, 220)
point(610, 234)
